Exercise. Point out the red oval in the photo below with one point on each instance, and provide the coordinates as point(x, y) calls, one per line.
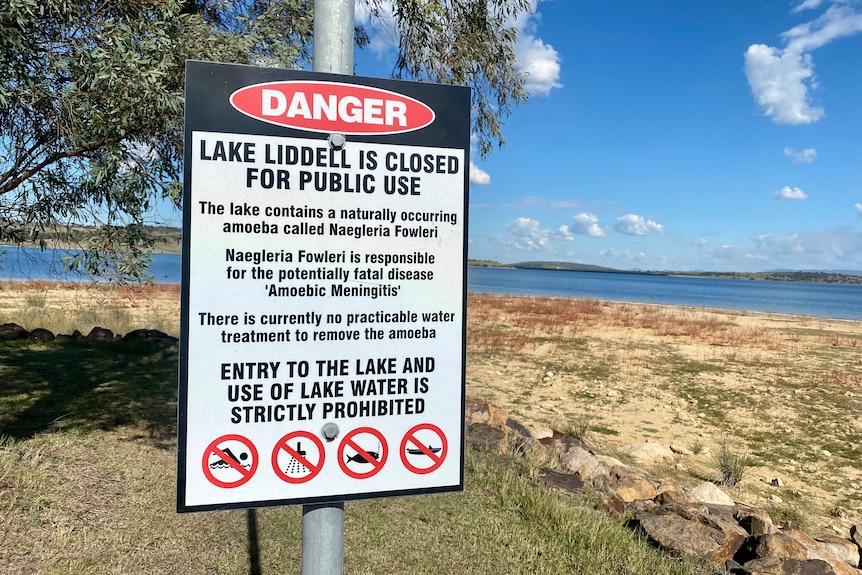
point(332, 107)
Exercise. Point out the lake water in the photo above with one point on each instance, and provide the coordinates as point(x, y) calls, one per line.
point(821, 300)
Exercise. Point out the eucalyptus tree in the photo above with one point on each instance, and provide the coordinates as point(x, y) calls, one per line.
point(91, 98)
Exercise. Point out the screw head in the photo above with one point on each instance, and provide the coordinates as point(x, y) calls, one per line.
point(337, 141)
point(329, 431)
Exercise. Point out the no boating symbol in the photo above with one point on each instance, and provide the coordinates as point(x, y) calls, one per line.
point(229, 461)
point(362, 453)
point(298, 457)
point(423, 448)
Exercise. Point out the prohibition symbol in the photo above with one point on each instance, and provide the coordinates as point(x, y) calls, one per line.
point(298, 461)
point(362, 453)
point(229, 461)
point(423, 448)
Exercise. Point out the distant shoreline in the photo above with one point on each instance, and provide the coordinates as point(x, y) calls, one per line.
point(787, 276)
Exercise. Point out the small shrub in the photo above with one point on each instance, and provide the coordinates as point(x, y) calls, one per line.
point(36, 299)
point(577, 427)
point(731, 465)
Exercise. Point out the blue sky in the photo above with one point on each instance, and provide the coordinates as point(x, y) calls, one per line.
point(674, 135)
point(677, 135)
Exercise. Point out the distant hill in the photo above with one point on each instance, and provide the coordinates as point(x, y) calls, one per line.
point(564, 266)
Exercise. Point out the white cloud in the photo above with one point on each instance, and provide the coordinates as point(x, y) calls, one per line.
point(525, 234)
point(538, 63)
point(565, 233)
point(788, 193)
point(780, 78)
point(479, 176)
point(634, 225)
point(807, 5)
point(565, 205)
point(587, 224)
point(858, 208)
point(806, 156)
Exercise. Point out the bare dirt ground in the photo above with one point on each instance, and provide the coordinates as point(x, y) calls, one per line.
point(783, 391)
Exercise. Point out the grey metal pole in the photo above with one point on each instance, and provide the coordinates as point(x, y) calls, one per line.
point(333, 36)
point(323, 539)
point(323, 525)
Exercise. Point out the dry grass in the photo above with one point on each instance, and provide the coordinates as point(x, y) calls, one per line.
point(66, 307)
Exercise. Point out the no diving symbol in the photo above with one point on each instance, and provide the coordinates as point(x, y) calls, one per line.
point(229, 461)
point(362, 453)
point(423, 448)
point(298, 457)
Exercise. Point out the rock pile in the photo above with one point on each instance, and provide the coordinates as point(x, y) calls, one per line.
point(703, 521)
point(12, 331)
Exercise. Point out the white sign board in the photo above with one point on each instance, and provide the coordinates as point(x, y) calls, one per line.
point(324, 288)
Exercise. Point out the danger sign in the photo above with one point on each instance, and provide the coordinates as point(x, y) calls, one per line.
point(324, 287)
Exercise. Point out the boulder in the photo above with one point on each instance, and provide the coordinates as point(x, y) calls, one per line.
point(647, 452)
point(152, 335)
point(487, 437)
point(755, 521)
point(563, 481)
point(575, 458)
point(679, 528)
point(100, 334)
point(628, 485)
point(841, 548)
point(41, 334)
point(480, 411)
point(13, 331)
point(708, 492)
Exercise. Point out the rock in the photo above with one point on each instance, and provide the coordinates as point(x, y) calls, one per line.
point(613, 506)
point(680, 449)
point(678, 497)
point(479, 411)
point(816, 550)
point(524, 429)
point(564, 481)
point(776, 566)
point(679, 528)
point(670, 491)
point(755, 521)
point(41, 334)
point(793, 549)
point(776, 482)
point(771, 545)
point(488, 438)
point(152, 335)
point(575, 458)
point(856, 536)
point(13, 331)
point(708, 492)
point(841, 548)
point(100, 334)
point(647, 452)
point(628, 485)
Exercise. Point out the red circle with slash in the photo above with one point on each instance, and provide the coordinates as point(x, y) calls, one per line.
point(298, 456)
point(376, 459)
point(411, 445)
point(228, 461)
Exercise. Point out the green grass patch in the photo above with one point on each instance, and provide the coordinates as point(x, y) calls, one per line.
point(87, 485)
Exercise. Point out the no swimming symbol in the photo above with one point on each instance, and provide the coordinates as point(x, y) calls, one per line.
point(229, 461)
